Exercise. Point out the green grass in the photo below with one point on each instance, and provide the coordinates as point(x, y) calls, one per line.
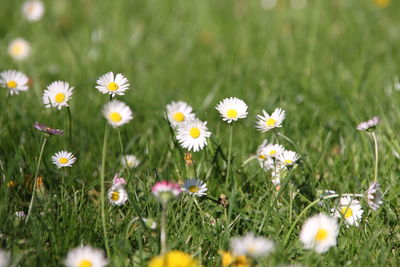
point(329, 65)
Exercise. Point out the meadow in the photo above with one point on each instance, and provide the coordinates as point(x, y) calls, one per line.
point(328, 64)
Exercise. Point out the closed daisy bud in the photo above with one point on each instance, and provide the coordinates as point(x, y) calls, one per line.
point(192, 135)
point(47, 130)
point(268, 122)
point(195, 187)
point(149, 222)
point(117, 113)
point(33, 10)
point(117, 180)
point(14, 81)
point(319, 233)
point(165, 191)
point(130, 161)
point(374, 196)
point(19, 49)
point(179, 112)
point(231, 109)
point(369, 125)
point(57, 95)
point(63, 159)
point(113, 85)
point(117, 195)
point(252, 246)
point(350, 210)
point(85, 257)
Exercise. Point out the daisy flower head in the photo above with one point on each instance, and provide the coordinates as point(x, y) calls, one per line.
point(117, 195)
point(374, 195)
point(19, 49)
point(369, 125)
point(4, 258)
point(288, 158)
point(63, 159)
point(20, 214)
point(85, 257)
point(117, 113)
point(130, 161)
point(118, 181)
point(252, 246)
point(174, 258)
point(192, 135)
point(195, 187)
point(57, 95)
point(270, 150)
point(319, 233)
point(268, 122)
point(165, 191)
point(350, 210)
point(266, 162)
point(231, 109)
point(113, 85)
point(47, 130)
point(14, 81)
point(179, 112)
point(33, 10)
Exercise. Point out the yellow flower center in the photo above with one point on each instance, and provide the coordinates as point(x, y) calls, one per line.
point(63, 160)
point(112, 86)
point(288, 161)
point(193, 189)
point(115, 195)
point(382, 3)
point(85, 263)
point(347, 212)
point(194, 132)
point(231, 113)
point(321, 235)
point(17, 49)
point(115, 117)
point(179, 117)
point(11, 84)
point(60, 97)
point(262, 157)
point(272, 152)
point(270, 122)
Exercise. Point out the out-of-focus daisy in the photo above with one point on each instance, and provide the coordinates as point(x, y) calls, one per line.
point(369, 125)
point(350, 210)
point(165, 191)
point(4, 258)
point(48, 130)
point(149, 222)
point(268, 4)
point(266, 162)
point(231, 109)
point(195, 187)
point(63, 159)
point(288, 158)
point(108, 84)
point(117, 113)
point(85, 257)
point(33, 10)
point(179, 112)
point(118, 181)
point(117, 195)
point(130, 161)
point(174, 258)
point(14, 81)
point(230, 260)
point(382, 3)
point(319, 233)
point(374, 195)
point(268, 122)
point(252, 246)
point(192, 135)
point(19, 49)
point(20, 214)
point(57, 95)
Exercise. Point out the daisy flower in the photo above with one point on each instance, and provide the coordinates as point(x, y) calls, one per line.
point(48, 130)
point(179, 112)
point(231, 109)
point(270, 150)
point(288, 158)
point(266, 162)
point(20, 214)
point(4, 258)
point(165, 191)
point(13, 80)
point(350, 210)
point(130, 161)
point(149, 222)
point(374, 196)
point(174, 258)
point(33, 10)
point(117, 113)
point(192, 135)
point(19, 49)
point(118, 181)
point(195, 187)
point(57, 95)
point(369, 125)
point(319, 233)
point(63, 159)
point(252, 246)
point(117, 195)
point(85, 257)
point(108, 84)
point(267, 122)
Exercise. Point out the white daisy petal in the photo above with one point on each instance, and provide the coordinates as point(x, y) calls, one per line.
point(57, 95)
point(19, 49)
point(117, 113)
point(192, 135)
point(231, 109)
point(107, 84)
point(63, 159)
point(85, 256)
point(268, 122)
point(195, 187)
point(179, 112)
point(117, 195)
point(14, 81)
point(252, 246)
point(288, 158)
point(130, 161)
point(350, 210)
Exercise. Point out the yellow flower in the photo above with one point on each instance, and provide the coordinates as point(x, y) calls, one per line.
point(230, 260)
point(11, 184)
point(382, 3)
point(174, 258)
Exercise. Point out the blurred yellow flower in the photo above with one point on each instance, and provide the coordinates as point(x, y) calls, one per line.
point(382, 3)
point(174, 258)
point(11, 184)
point(230, 260)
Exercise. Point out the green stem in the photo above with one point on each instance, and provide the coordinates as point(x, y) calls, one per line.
point(163, 228)
point(102, 175)
point(69, 125)
point(376, 156)
point(35, 181)
point(123, 153)
point(229, 152)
